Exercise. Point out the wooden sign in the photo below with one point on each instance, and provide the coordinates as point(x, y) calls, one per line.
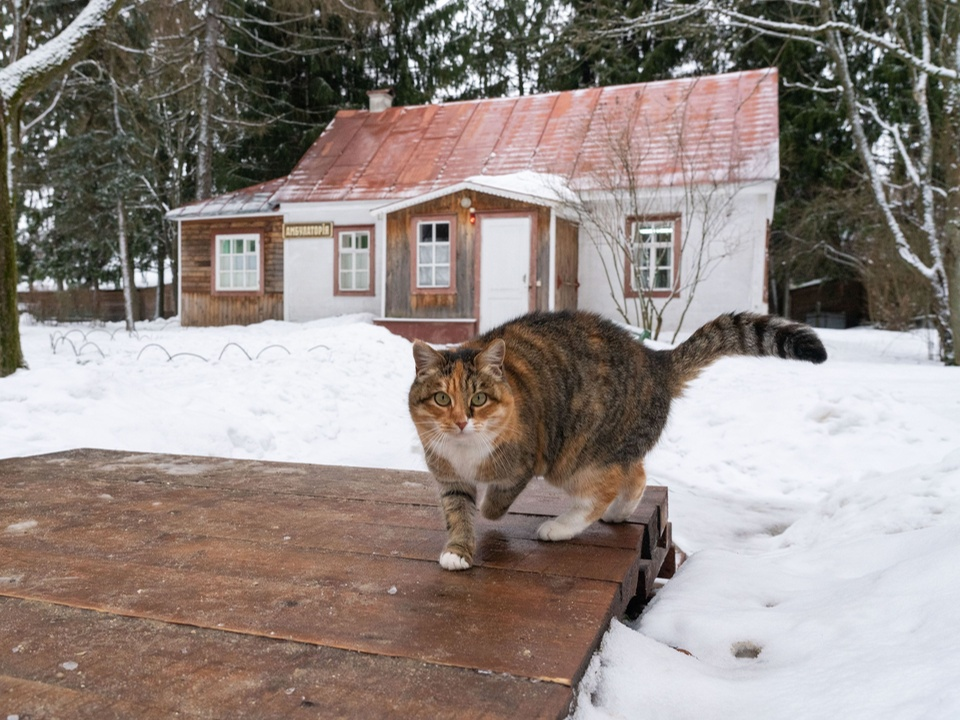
point(308, 230)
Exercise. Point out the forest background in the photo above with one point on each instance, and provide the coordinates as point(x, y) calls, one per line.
point(183, 99)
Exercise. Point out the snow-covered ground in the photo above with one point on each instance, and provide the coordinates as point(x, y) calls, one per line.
point(820, 505)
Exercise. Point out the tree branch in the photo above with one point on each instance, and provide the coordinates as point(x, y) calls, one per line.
point(25, 76)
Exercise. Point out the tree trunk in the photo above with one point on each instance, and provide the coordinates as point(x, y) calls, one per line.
point(174, 253)
point(160, 306)
point(211, 57)
point(11, 352)
point(952, 264)
point(125, 268)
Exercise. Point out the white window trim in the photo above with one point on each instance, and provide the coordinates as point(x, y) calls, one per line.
point(353, 252)
point(664, 232)
point(245, 237)
point(434, 264)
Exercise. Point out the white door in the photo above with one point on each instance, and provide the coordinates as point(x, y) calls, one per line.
point(504, 269)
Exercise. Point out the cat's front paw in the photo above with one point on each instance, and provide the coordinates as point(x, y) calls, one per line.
point(555, 530)
point(452, 561)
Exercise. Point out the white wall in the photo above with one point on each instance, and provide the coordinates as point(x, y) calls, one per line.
point(308, 270)
point(734, 227)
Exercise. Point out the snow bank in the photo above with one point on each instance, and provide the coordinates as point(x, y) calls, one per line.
point(820, 504)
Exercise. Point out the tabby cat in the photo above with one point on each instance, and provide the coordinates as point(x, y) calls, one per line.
point(567, 396)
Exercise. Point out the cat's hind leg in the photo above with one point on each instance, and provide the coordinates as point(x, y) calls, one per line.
point(499, 497)
point(631, 491)
point(592, 489)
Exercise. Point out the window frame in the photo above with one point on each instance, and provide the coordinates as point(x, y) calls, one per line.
point(415, 223)
point(218, 238)
point(632, 223)
point(371, 263)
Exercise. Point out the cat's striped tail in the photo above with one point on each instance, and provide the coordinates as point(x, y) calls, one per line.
point(743, 334)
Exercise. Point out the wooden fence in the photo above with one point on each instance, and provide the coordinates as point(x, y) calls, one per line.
point(84, 304)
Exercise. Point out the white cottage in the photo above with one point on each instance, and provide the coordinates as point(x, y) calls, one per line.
point(649, 201)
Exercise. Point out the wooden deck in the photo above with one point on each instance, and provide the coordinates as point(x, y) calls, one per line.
point(153, 586)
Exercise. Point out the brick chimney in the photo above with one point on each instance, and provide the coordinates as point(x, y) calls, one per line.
point(380, 99)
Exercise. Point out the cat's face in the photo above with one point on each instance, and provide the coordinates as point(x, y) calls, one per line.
point(459, 400)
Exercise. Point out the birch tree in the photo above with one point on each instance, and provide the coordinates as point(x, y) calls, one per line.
point(895, 68)
point(23, 76)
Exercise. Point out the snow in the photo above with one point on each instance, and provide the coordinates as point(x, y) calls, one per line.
point(820, 505)
point(526, 182)
point(525, 186)
point(56, 53)
point(21, 527)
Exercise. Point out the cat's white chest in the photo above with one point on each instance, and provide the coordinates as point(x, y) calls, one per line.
point(465, 456)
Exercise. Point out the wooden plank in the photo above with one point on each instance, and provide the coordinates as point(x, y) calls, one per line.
point(35, 700)
point(409, 487)
point(500, 544)
point(341, 560)
point(162, 671)
point(324, 524)
point(505, 622)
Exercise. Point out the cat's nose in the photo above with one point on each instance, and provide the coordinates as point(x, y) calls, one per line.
point(461, 424)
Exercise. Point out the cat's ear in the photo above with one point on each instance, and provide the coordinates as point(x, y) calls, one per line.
point(491, 359)
point(425, 357)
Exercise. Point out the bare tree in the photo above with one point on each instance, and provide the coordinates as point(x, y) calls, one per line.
point(25, 74)
point(659, 235)
point(907, 145)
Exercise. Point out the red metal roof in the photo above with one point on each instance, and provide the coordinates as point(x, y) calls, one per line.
point(714, 128)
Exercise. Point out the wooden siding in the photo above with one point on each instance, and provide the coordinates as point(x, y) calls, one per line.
point(401, 302)
point(830, 304)
point(200, 303)
point(452, 332)
point(568, 262)
point(214, 310)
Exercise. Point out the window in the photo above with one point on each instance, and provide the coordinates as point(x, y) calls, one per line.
point(434, 254)
point(238, 263)
point(354, 261)
point(652, 256)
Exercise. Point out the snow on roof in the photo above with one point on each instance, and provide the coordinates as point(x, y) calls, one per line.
point(525, 186)
point(720, 128)
point(256, 200)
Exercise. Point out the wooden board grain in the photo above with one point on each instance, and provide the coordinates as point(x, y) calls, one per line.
point(308, 558)
point(128, 668)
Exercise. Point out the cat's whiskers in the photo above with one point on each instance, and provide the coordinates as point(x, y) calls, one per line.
point(435, 440)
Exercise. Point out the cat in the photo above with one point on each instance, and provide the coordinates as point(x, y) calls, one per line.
point(568, 396)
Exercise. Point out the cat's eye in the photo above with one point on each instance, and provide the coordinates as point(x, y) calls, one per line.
point(441, 399)
point(478, 399)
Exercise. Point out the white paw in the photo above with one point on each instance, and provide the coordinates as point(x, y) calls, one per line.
point(555, 530)
point(452, 561)
point(620, 510)
point(616, 515)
